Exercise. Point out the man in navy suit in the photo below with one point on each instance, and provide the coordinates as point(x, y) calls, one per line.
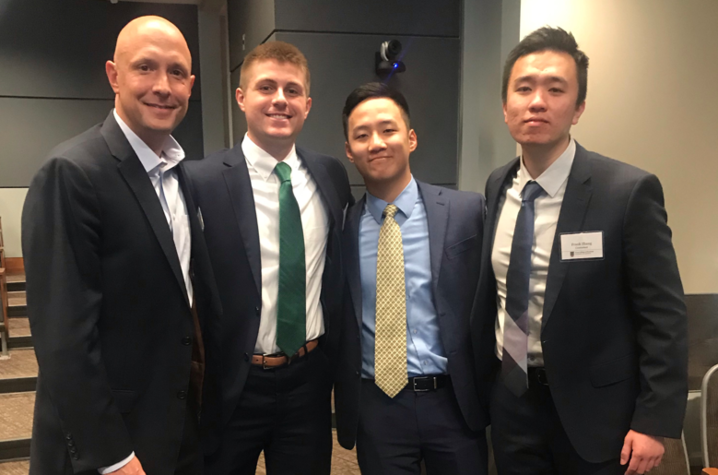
point(273, 216)
point(580, 296)
point(405, 389)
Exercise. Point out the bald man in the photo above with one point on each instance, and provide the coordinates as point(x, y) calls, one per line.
point(116, 267)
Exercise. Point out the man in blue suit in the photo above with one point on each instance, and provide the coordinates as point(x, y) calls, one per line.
point(405, 390)
point(273, 216)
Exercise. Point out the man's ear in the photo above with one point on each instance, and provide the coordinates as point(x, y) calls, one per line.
point(111, 71)
point(239, 95)
point(348, 152)
point(413, 142)
point(579, 110)
point(309, 106)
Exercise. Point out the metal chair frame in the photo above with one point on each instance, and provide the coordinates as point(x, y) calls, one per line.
point(704, 414)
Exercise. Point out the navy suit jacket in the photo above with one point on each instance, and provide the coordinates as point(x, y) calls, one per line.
point(614, 329)
point(455, 221)
point(223, 191)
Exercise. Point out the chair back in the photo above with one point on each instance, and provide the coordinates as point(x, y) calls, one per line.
point(675, 459)
point(709, 417)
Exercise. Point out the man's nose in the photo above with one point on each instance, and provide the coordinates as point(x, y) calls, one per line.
point(376, 143)
point(538, 101)
point(279, 97)
point(161, 85)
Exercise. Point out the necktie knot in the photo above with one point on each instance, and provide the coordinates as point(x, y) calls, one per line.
point(531, 191)
point(390, 211)
point(283, 171)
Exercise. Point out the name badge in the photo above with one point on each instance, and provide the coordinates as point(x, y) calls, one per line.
point(582, 246)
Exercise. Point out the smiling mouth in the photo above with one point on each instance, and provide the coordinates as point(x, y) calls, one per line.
point(535, 120)
point(161, 106)
point(279, 116)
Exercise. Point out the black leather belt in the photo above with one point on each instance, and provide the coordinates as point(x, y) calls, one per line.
point(428, 383)
point(537, 377)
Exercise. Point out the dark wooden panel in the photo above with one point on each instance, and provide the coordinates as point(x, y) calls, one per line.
point(30, 128)
point(59, 48)
point(415, 17)
point(250, 23)
point(341, 62)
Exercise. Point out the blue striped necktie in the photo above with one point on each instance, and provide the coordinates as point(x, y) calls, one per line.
point(514, 369)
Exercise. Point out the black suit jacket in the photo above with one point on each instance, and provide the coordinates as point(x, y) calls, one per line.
point(223, 191)
point(456, 230)
point(110, 317)
point(614, 330)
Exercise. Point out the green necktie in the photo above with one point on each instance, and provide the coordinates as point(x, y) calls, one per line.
point(291, 301)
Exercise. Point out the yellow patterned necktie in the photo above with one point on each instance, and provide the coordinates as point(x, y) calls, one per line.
point(390, 337)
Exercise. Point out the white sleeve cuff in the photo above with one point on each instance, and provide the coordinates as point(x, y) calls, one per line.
point(117, 466)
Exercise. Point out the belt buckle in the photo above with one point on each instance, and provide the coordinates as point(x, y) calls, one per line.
point(264, 362)
point(423, 378)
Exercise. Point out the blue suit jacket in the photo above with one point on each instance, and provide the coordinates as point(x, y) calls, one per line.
point(455, 221)
point(223, 191)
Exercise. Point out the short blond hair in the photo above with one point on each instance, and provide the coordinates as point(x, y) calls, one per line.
point(279, 51)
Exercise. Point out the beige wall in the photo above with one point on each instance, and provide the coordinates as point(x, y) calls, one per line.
point(11, 201)
point(653, 102)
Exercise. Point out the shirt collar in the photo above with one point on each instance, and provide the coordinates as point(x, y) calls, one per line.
point(405, 201)
point(554, 176)
point(172, 152)
point(263, 162)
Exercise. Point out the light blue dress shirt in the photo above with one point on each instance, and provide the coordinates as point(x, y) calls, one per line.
point(424, 350)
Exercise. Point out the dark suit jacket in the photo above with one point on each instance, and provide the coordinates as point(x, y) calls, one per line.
point(223, 191)
point(614, 330)
point(110, 318)
point(455, 220)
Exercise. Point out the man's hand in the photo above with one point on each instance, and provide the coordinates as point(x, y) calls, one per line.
point(644, 452)
point(133, 467)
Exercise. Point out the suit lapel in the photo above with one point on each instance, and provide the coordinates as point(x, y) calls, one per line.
point(351, 261)
point(325, 185)
point(494, 189)
point(437, 217)
point(239, 187)
point(136, 177)
point(570, 220)
point(200, 257)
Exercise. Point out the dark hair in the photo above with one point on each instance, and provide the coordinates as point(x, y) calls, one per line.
point(279, 51)
point(373, 90)
point(552, 39)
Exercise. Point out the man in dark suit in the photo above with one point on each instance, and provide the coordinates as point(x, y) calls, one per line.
point(579, 296)
point(116, 263)
point(273, 216)
point(405, 389)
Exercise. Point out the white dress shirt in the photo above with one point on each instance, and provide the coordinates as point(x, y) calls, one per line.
point(161, 171)
point(547, 208)
point(315, 227)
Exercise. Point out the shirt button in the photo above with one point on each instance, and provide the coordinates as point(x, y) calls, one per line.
point(186, 341)
point(182, 395)
point(414, 332)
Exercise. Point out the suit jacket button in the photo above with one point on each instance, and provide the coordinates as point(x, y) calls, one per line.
point(71, 444)
point(68, 436)
point(73, 451)
point(186, 341)
point(182, 395)
point(256, 309)
point(356, 372)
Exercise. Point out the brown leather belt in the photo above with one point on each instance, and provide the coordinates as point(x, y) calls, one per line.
point(279, 359)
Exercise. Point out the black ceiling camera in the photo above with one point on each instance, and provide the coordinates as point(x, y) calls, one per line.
point(387, 59)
